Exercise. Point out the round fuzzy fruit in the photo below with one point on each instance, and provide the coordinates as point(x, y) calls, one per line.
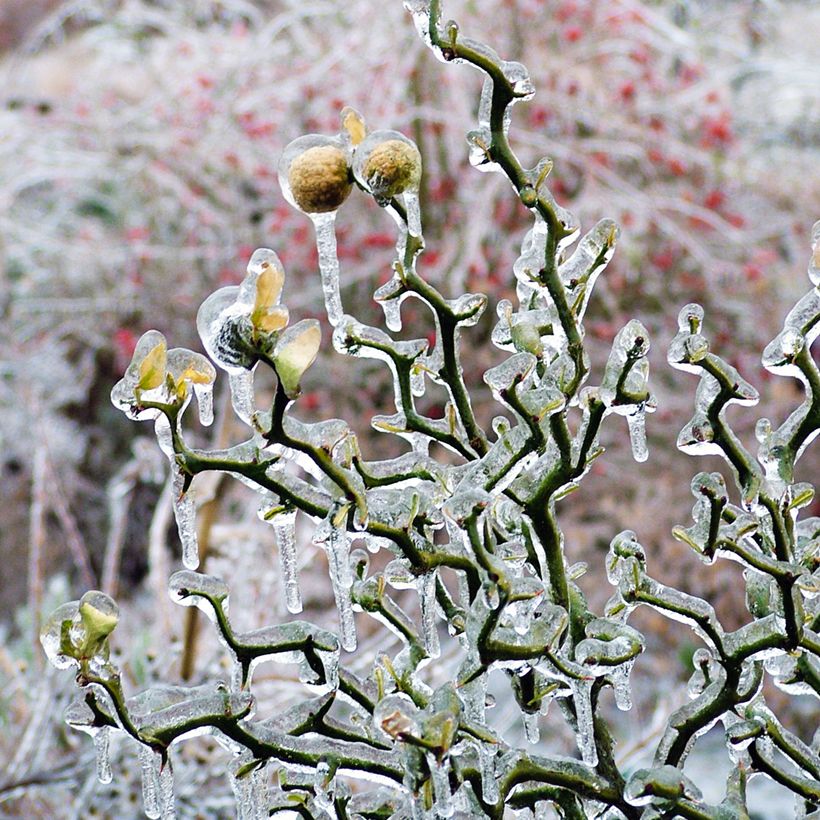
point(319, 179)
point(391, 168)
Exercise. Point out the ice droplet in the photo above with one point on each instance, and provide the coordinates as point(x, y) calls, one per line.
point(102, 738)
point(185, 514)
point(426, 586)
point(324, 224)
point(284, 531)
point(392, 313)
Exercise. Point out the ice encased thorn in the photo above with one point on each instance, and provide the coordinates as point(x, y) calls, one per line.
point(519, 79)
point(189, 588)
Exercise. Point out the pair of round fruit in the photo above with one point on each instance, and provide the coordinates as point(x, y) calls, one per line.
point(317, 172)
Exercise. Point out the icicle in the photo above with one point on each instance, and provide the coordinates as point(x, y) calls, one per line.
point(324, 223)
point(620, 683)
point(411, 204)
point(166, 790)
point(337, 546)
point(392, 313)
point(417, 808)
point(185, 514)
point(474, 697)
point(165, 438)
point(242, 400)
point(489, 782)
point(427, 603)
point(205, 401)
point(323, 788)
point(250, 792)
point(150, 781)
point(531, 729)
point(585, 732)
point(636, 422)
point(284, 531)
point(442, 791)
point(101, 740)
point(542, 811)
point(814, 262)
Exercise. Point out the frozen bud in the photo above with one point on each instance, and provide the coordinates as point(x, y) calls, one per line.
point(267, 316)
point(145, 379)
point(396, 716)
point(353, 125)
point(55, 636)
point(388, 164)
point(99, 614)
point(151, 371)
point(315, 174)
point(295, 352)
point(187, 367)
